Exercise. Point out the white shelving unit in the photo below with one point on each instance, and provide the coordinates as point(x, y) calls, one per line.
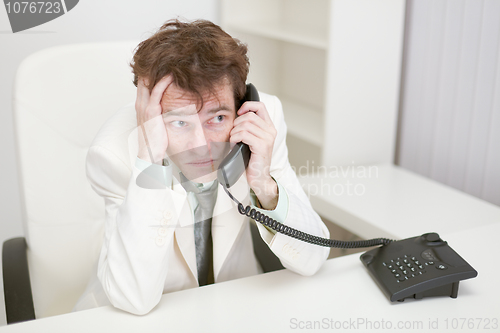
point(334, 64)
point(287, 34)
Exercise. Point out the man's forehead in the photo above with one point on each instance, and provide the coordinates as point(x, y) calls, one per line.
point(171, 110)
point(179, 101)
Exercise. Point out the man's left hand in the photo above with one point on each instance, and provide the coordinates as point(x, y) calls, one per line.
point(255, 128)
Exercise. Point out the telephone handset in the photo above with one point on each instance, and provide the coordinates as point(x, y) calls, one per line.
point(235, 163)
point(416, 267)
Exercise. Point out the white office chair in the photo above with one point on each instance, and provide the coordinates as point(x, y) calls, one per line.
point(62, 96)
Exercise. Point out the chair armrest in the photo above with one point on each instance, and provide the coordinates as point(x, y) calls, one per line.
point(16, 281)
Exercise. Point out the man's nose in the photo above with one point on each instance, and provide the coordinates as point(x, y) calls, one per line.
point(198, 138)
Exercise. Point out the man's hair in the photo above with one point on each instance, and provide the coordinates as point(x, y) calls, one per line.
point(198, 55)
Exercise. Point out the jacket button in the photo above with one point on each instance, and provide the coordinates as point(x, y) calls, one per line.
point(167, 214)
point(160, 241)
point(162, 232)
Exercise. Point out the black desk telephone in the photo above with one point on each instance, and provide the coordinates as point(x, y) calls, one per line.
point(416, 267)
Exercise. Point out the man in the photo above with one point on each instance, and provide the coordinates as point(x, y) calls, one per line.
point(169, 225)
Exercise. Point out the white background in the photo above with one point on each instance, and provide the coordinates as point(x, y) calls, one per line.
point(88, 21)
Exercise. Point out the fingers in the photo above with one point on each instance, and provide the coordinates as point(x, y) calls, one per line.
point(254, 123)
point(142, 95)
point(149, 105)
point(256, 107)
point(153, 139)
point(159, 90)
point(259, 130)
point(255, 132)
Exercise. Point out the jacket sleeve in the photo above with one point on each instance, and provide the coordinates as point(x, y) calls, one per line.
point(139, 227)
point(300, 257)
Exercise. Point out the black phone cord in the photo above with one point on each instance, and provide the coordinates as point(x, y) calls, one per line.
point(302, 236)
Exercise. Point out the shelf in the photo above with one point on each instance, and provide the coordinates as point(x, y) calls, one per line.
point(286, 33)
point(303, 122)
point(321, 55)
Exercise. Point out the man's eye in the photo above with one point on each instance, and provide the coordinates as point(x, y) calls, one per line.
point(218, 119)
point(178, 123)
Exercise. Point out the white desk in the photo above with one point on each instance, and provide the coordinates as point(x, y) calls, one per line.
point(397, 204)
point(282, 301)
point(394, 203)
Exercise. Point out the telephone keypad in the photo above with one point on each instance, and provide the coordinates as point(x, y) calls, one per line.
point(406, 268)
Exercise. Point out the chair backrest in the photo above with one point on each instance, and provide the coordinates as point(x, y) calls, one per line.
point(62, 96)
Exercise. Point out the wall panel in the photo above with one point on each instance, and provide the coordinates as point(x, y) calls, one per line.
point(450, 109)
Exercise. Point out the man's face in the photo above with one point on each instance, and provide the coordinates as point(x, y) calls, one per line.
point(198, 140)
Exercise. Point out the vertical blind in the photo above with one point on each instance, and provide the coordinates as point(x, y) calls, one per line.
point(449, 124)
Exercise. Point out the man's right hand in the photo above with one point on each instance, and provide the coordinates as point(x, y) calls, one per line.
point(153, 139)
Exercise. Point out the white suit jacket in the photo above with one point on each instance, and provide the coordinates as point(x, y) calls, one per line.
point(148, 247)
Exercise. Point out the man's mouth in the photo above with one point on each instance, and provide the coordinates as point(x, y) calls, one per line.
point(202, 163)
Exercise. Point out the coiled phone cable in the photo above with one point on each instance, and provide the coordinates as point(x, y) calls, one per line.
point(300, 235)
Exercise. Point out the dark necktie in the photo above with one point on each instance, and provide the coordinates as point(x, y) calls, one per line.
point(203, 230)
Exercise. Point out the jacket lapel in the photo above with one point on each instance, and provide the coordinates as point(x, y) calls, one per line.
point(227, 222)
point(184, 232)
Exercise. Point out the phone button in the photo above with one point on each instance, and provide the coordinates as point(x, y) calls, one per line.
point(432, 237)
point(428, 255)
point(441, 267)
